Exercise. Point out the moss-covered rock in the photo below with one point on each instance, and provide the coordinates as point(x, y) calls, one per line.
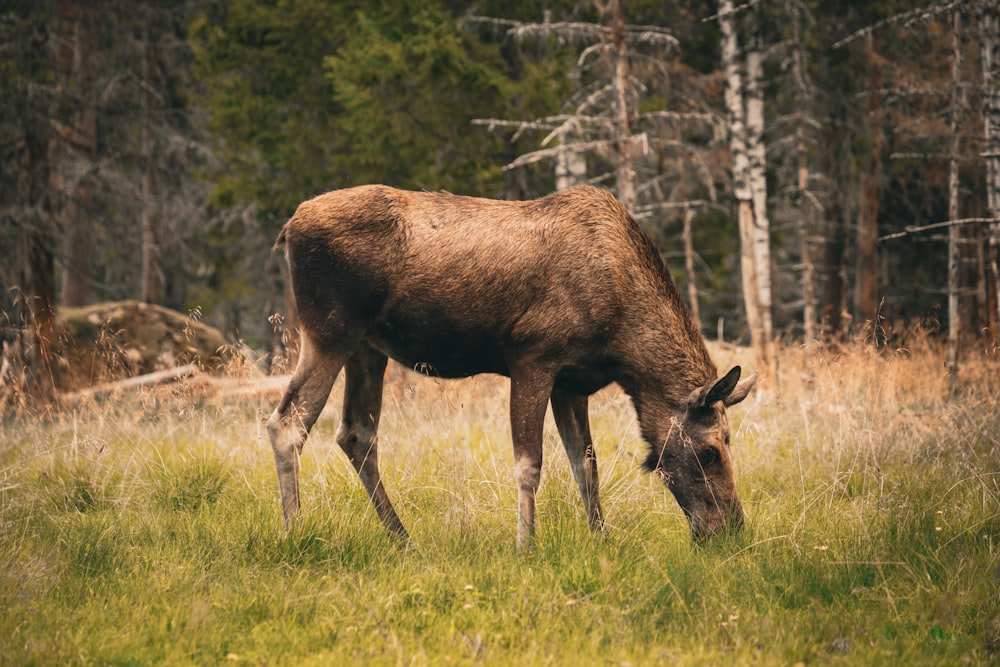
point(110, 341)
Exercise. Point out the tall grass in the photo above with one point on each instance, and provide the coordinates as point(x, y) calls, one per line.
point(147, 529)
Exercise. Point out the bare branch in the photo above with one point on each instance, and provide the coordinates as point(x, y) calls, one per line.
point(796, 117)
point(811, 196)
point(539, 155)
point(660, 30)
point(593, 99)
point(930, 156)
point(680, 115)
point(573, 31)
point(777, 144)
point(671, 205)
point(701, 166)
point(937, 225)
point(651, 35)
point(522, 125)
point(553, 124)
point(592, 49)
point(571, 124)
point(505, 24)
point(733, 11)
point(914, 90)
point(493, 123)
point(908, 19)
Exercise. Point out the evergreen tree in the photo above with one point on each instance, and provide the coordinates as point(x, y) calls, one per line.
point(407, 83)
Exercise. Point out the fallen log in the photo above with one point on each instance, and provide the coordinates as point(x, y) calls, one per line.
point(136, 382)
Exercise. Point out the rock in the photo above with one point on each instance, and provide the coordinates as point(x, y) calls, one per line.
point(107, 342)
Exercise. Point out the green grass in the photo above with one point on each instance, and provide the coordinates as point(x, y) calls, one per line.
point(150, 532)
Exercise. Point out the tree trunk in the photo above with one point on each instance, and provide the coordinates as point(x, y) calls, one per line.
point(79, 245)
point(570, 168)
point(37, 270)
point(835, 317)
point(41, 293)
point(515, 181)
point(804, 205)
point(692, 287)
point(866, 269)
point(150, 279)
point(988, 26)
point(742, 188)
point(954, 231)
point(757, 155)
point(625, 176)
point(76, 68)
point(836, 163)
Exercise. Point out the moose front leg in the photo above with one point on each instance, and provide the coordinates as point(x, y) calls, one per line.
point(529, 392)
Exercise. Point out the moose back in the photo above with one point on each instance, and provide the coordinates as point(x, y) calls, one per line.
point(563, 295)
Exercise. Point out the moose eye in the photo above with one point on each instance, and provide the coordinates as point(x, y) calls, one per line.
point(709, 456)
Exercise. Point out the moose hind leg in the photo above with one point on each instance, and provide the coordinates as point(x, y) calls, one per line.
point(300, 407)
point(570, 412)
point(358, 431)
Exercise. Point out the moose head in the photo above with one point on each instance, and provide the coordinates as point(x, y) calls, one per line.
point(692, 456)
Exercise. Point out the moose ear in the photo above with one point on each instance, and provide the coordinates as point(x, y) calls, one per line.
point(720, 390)
point(741, 390)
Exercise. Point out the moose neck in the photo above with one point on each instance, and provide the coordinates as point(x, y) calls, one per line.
point(663, 354)
point(663, 376)
point(659, 407)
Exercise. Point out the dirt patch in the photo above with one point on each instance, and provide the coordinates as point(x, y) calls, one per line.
point(111, 341)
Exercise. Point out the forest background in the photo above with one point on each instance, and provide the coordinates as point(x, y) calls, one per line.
point(809, 169)
point(819, 175)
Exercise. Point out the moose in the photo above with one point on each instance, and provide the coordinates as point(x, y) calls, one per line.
point(564, 295)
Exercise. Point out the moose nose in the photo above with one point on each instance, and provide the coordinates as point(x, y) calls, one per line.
point(720, 522)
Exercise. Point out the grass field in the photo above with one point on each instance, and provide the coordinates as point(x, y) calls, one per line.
point(146, 530)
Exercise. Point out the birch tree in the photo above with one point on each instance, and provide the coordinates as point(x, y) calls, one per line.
point(749, 188)
point(794, 163)
point(757, 153)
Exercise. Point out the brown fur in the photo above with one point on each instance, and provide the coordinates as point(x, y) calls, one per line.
point(563, 294)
